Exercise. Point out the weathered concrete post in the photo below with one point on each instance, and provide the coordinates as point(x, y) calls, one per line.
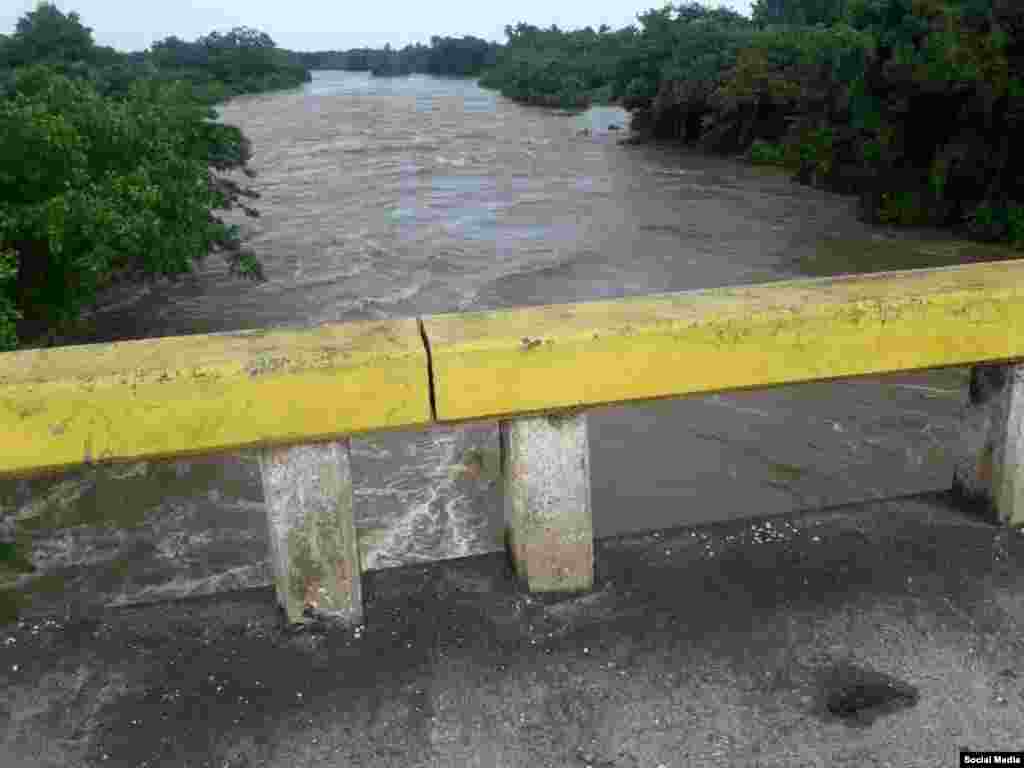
point(546, 469)
point(313, 547)
point(991, 476)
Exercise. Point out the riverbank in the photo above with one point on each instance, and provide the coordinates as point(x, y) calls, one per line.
point(848, 102)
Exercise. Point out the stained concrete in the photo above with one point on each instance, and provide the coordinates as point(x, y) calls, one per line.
point(547, 499)
point(880, 634)
point(314, 553)
point(987, 476)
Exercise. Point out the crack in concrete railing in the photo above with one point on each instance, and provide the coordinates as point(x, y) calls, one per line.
point(430, 369)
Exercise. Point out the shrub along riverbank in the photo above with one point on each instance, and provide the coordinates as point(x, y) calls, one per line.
point(909, 104)
point(111, 164)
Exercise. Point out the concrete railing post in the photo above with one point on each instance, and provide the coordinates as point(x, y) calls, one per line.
point(546, 470)
point(313, 547)
point(991, 476)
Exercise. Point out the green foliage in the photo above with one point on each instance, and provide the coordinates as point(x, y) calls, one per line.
point(853, 89)
point(799, 12)
point(9, 314)
point(601, 95)
point(47, 36)
point(949, 42)
point(109, 161)
point(579, 67)
point(558, 68)
point(865, 110)
point(937, 175)
point(813, 148)
point(903, 207)
point(1015, 225)
point(871, 152)
point(459, 56)
point(785, 66)
point(703, 50)
point(766, 153)
point(93, 187)
point(221, 65)
point(984, 222)
point(989, 221)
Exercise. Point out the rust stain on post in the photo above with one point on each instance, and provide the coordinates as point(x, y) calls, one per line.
point(985, 467)
point(552, 561)
point(312, 596)
point(548, 501)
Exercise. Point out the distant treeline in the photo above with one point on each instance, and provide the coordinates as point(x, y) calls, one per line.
point(216, 66)
point(445, 56)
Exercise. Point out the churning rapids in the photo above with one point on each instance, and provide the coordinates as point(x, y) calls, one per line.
point(397, 197)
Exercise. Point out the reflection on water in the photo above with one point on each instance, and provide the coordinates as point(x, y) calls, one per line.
point(402, 196)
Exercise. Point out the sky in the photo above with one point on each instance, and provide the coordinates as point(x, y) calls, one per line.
point(316, 25)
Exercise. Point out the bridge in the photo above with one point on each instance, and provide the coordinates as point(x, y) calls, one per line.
point(299, 395)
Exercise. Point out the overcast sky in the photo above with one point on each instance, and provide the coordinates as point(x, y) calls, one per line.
point(313, 25)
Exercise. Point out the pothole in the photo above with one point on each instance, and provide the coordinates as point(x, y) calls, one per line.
point(858, 695)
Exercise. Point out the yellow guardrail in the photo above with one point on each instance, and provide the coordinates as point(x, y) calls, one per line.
point(208, 393)
point(175, 396)
point(298, 394)
point(497, 364)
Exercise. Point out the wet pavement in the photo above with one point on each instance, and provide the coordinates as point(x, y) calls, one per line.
point(877, 634)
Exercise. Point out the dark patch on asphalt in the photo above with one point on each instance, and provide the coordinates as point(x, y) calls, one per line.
point(858, 695)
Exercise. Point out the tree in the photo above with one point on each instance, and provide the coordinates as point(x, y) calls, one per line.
point(46, 35)
point(110, 163)
point(799, 12)
point(239, 37)
point(93, 188)
point(221, 64)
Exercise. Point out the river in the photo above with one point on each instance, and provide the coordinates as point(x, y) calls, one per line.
point(388, 198)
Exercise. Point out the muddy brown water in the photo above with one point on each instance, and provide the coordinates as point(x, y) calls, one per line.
point(388, 198)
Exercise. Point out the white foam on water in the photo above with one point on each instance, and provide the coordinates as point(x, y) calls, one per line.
point(426, 492)
point(359, 448)
point(458, 161)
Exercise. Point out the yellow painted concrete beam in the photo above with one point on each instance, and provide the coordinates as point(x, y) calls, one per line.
point(208, 393)
point(204, 394)
point(537, 359)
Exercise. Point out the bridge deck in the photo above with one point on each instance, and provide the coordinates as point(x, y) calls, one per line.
point(717, 645)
